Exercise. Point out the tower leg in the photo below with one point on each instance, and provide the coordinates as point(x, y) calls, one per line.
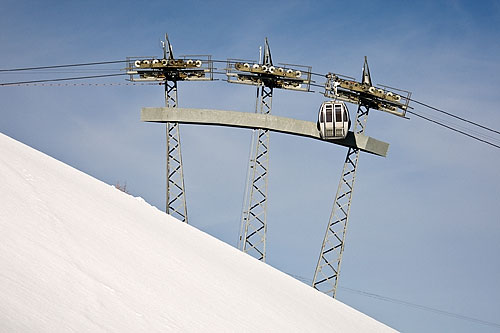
point(175, 194)
point(328, 267)
point(253, 229)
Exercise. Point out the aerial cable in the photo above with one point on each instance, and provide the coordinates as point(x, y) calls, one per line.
point(473, 131)
point(87, 84)
point(448, 126)
point(114, 62)
point(401, 302)
point(69, 71)
point(454, 129)
point(421, 307)
point(62, 71)
point(225, 61)
point(62, 66)
point(455, 116)
point(62, 79)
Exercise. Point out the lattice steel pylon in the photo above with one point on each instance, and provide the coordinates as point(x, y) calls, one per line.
point(253, 230)
point(169, 70)
point(252, 239)
point(330, 259)
point(175, 194)
point(175, 203)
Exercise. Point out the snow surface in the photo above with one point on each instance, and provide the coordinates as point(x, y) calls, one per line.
point(79, 255)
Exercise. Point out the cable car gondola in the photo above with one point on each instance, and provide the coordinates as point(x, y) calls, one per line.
point(333, 120)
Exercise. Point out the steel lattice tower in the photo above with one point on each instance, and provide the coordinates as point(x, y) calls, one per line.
point(330, 259)
point(253, 230)
point(169, 70)
point(175, 194)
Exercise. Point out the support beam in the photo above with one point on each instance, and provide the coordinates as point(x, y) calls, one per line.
point(260, 121)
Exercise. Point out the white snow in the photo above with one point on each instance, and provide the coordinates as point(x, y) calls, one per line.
point(79, 255)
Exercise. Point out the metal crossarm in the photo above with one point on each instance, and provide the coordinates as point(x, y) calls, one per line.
point(253, 231)
point(328, 267)
point(176, 198)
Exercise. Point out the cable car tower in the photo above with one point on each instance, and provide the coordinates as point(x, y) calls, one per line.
point(168, 71)
point(266, 77)
point(366, 96)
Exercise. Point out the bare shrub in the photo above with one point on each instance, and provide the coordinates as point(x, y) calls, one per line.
point(122, 188)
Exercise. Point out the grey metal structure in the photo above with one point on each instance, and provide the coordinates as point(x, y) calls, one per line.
point(328, 267)
point(175, 203)
point(266, 77)
point(253, 230)
point(366, 96)
point(260, 121)
point(170, 70)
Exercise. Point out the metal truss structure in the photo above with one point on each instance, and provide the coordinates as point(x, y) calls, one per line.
point(365, 95)
point(266, 77)
point(328, 267)
point(170, 70)
point(253, 231)
point(175, 193)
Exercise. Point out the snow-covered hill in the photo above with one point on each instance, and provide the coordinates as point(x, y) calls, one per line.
point(79, 255)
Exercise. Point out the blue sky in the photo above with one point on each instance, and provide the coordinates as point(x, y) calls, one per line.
point(424, 223)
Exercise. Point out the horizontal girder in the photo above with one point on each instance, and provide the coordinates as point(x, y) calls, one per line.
point(260, 121)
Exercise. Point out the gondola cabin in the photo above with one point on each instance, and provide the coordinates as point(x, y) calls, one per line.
point(333, 120)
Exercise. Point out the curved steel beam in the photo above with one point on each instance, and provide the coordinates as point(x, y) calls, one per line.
point(262, 121)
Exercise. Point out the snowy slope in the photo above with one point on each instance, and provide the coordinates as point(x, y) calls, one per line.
point(77, 254)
